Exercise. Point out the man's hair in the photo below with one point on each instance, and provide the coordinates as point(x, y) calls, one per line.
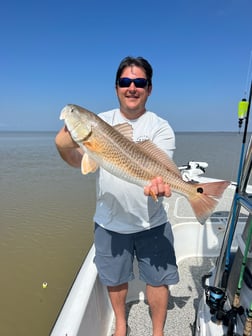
point(137, 61)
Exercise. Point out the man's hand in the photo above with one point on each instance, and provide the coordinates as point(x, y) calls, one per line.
point(157, 188)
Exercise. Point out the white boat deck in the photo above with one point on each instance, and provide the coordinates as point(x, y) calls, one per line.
point(183, 302)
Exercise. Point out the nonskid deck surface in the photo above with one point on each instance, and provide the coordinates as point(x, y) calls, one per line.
point(183, 302)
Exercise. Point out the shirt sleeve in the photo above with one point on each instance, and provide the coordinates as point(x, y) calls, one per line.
point(164, 137)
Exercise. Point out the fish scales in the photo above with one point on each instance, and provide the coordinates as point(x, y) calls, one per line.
point(131, 158)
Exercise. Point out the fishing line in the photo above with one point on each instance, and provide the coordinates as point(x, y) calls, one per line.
point(249, 74)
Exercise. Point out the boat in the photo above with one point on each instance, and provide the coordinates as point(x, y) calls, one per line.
point(87, 309)
point(214, 295)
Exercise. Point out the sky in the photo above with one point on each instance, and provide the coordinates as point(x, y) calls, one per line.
point(55, 52)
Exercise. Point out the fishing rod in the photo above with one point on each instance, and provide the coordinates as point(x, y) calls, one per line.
point(231, 315)
point(243, 113)
point(216, 297)
point(223, 261)
point(216, 294)
point(244, 109)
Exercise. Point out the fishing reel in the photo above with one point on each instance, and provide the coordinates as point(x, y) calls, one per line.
point(215, 299)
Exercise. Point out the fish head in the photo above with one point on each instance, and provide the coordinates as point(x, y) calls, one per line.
point(77, 121)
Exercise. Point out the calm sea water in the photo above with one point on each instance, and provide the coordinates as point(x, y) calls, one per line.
point(46, 225)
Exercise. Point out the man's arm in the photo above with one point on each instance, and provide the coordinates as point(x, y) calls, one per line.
point(68, 149)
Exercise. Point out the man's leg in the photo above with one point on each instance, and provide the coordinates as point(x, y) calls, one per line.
point(158, 269)
point(158, 301)
point(117, 296)
point(114, 254)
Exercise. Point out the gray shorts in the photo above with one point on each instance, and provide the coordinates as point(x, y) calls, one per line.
point(153, 249)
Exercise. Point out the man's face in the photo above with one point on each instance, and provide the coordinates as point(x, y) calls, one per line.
point(132, 98)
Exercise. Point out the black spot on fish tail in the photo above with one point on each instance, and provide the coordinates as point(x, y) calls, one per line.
point(200, 190)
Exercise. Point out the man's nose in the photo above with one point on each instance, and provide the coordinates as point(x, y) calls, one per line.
point(132, 86)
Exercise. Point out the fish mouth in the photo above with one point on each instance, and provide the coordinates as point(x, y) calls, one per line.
point(65, 111)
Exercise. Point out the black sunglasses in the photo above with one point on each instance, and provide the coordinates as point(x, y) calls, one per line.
point(138, 82)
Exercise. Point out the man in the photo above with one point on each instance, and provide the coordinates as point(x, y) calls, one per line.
point(128, 222)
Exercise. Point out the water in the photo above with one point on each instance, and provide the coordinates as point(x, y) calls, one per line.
point(46, 228)
point(45, 231)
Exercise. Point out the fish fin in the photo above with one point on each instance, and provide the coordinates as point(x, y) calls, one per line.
point(203, 206)
point(159, 155)
point(204, 200)
point(125, 129)
point(88, 165)
point(93, 146)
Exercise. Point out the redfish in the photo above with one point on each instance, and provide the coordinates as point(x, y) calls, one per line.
point(112, 148)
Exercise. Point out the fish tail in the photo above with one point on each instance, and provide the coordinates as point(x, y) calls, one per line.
point(204, 200)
